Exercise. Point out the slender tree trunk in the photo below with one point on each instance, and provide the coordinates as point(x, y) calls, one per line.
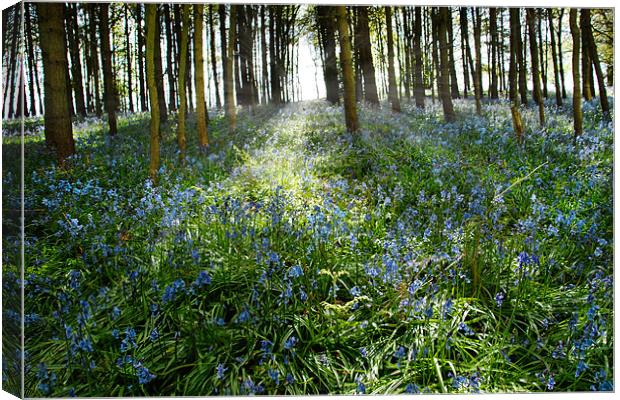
point(441, 19)
point(586, 65)
point(515, 51)
point(161, 95)
point(344, 36)
point(31, 60)
point(577, 114)
point(465, 48)
point(554, 55)
point(76, 65)
point(108, 76)
point(182, 94)
point(521, 66)
point(230, 95)
point(541, 54)
point(418, 90)
point(454, 87)
point(493, 93)
point(392, 89)
point(327, 30)
point(128, 54)
point(152, 37)
point(591, 46)
point(143, 94)
point(365, 51)
point(13, 73)
point(58, 129)
point(263, 45)
point(203, 138)
point(94, 55)
point(218, 102)
point(531, 21)
point(169, 58)
point(560, 55)
point(478, 70)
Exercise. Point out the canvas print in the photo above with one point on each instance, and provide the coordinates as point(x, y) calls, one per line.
point(295, 199)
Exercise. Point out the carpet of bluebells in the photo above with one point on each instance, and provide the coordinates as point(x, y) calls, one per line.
point(293, 258)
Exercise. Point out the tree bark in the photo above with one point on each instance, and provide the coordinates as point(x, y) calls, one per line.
point(560, 55)
point(531, 22)
point(365, 52)
point(441, 19)
point(454, 87)
point(201, 120)
point(218, 101)
point(493, 93)
point(151, 75)
point(172, 102)
point(554, 56)
point(76, 65)
point(58, 129)
point(465, 48)
point(161, 95)
point(515, 51)
point(577, 113)
point(418, 90)
point(392, 89)
point(478, 70)
point(230, 95)
point(108, 76)
point(143, 93)
point(327, 32)
point(591, 46)
point(344, 36)
point(128, 54)
point(182, 92)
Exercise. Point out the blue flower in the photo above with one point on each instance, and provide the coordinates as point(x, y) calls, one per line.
point(499, 298)
point(466, 329)
point(295, 271)
point(274, 375)
point(550, 383)
point(290, 379)
point(220, 371)
point(355, 291)
point(581, 366)
point(400, 353)
point(143, 374)
point(202, 279)
point(364, 352)
point(290, 343)
point(412, 388)
point(361, 388)
point(154, 335)
point(243, 316)
point(414, 286)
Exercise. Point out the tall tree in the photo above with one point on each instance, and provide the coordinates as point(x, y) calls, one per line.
point(229, 99)
point(143, 89)
point(418, 90)
point(76, 64)
point(218, 102)
point(128, 58)
point(554, 56)
point(344, 36)
point(203, 139)
point(466, 49)
point(109, 92)
point(594, 57)
point(182, 94)
point(365, 55)
point(441, 19)
point(58, 129)
point(520, 48)
point(531, 22)
point(586, 65)
point(94, 54)
point(159, 80)
point(327, 34)
point(151, 38)
point(561, 14)
point(475, 12)
point(515, 51)
point(493, 93)
point(172, 102)
point(392, 89)
point(577, 113)
point(454, 87)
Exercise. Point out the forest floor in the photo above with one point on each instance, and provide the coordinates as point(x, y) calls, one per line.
point(293, 258)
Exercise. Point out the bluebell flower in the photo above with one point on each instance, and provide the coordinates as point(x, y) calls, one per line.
point(400, 353)
point(499, 298)
point(85, 345)
point(116, 312)
point(581, 366)
point(466, 329)
point(303, 296)
point(274, 375)
point(364, 352)
point(414, 286)
point(243, 316)
point(290, 343)
point(412, 388)
point(202, 279)
point(355, 291)
point(295, 271)
point(361, 388)
point(550, 382)
point(143, 374)
point(290, 379)
point(154, 335)
point(221, 369)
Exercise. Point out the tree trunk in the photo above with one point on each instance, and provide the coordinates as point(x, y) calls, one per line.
point(577, 113)
point(586, 65)
point(13, 72)
point(76, 65)
point(520, 47)
point(32, 64)
point(230, 95)
point(128, 54)
point(201, 119)
point(327, 32)
point(554, 55)
point(441, 19)
point(143, 93)
point(182, 94)
point(263, 46)
point(218, 101)
point(392, 89)
point(560, 55)
point(108, 76)
point(493, 93)
point(344, 36)
point(541, 54)
point(591, 46)
point(531, 22)
point(478, 70)
point(58, 129)
point(418, 90)
point(151, 75)
point(161, 95)
point(465, 48)
point(454, 87)
point(94, 55)
point(169, 58)
point(365, 53)
point(515, 51)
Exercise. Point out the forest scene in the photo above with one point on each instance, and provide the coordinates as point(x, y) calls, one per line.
point(305, 199)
